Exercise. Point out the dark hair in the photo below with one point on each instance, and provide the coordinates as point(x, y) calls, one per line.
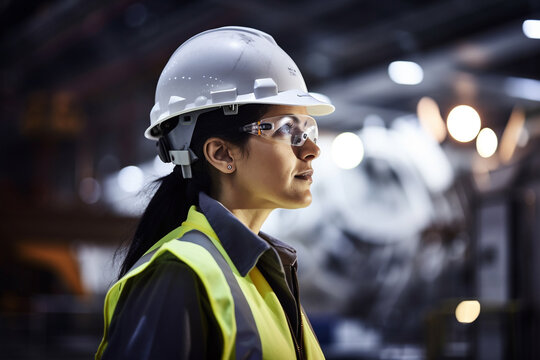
point(175, 195)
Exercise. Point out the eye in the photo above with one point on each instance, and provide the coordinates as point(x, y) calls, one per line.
point(285, 129)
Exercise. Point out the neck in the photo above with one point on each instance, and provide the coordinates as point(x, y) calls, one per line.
point(248, 215)
point(252, 218)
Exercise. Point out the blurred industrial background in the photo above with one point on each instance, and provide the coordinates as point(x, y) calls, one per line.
point(423, 240)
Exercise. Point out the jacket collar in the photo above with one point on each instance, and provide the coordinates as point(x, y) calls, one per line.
point(242, 245)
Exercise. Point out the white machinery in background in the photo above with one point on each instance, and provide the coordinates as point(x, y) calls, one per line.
point(359, 241)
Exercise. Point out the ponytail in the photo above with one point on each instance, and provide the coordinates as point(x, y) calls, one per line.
point(167, 208)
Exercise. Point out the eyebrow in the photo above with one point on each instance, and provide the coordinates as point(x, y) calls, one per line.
point(295, 118)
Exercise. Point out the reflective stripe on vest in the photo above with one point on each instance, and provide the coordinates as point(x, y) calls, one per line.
point(227, 293)
point(248, 344)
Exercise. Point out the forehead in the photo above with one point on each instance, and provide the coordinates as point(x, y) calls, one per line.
point(285, 109)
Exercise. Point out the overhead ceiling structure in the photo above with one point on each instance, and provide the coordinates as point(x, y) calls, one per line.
point(99, 62)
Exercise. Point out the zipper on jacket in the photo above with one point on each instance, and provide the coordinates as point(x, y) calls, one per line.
point(297, 347)
point(296, 334)
point(299, 342)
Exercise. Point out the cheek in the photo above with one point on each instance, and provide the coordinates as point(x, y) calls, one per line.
point(280, 162)
point(274, 163)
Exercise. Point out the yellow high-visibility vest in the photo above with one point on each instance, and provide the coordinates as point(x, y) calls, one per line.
point(252, 322)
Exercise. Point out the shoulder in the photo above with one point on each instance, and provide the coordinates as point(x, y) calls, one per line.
point(166, 288)
point(159, 313)
point(166, 272)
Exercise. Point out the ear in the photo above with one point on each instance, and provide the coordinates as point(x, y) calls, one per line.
point(220, 154)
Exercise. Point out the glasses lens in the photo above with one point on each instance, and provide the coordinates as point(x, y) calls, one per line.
point(292, 129)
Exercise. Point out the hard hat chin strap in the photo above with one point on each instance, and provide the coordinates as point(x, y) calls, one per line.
point(184, 158)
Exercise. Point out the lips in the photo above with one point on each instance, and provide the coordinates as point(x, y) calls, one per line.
point(305, 175)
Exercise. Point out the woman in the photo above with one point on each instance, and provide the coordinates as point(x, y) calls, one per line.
point(233, 113)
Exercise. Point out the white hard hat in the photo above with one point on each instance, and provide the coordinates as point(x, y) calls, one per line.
point(227, 67)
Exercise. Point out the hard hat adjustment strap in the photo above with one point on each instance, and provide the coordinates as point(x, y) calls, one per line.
point(179, 137)
point(179, 140)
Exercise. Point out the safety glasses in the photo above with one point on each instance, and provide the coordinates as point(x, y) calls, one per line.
point(289, 129)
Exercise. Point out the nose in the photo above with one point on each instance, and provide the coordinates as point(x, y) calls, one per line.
point(308, 151)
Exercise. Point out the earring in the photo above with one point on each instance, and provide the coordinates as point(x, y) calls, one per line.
point(229, 166)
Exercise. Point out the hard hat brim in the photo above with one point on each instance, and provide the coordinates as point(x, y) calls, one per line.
point(316, 105)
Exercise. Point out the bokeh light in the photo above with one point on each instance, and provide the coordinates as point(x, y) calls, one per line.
point(347, 150)
point(89, 190)
point(405, 72)
point(531, 28)
point(463, 123)
point(467, 311)
point(514, 133)
point(486, 143)
point(131, 179)
point(430, 118)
